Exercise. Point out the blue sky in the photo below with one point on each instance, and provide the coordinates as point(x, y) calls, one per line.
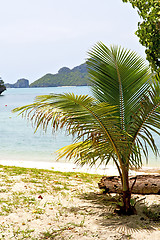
point(41, 36)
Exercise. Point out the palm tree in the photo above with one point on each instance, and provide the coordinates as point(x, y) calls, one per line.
point(117, 123)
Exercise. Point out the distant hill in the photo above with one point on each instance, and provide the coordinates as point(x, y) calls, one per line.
point(21, 83)
point(65, 77)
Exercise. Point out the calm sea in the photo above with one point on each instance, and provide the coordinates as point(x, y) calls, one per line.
point(17, 138)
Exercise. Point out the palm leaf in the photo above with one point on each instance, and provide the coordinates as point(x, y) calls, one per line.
point(85, 118)
point(146, 121)
point(119, 77)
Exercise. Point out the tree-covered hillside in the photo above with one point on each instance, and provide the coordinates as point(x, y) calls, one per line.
point(65, 77)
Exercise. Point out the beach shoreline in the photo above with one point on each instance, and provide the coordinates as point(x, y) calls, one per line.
point(109, 170)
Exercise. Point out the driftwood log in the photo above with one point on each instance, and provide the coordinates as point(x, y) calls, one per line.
point(141, 184)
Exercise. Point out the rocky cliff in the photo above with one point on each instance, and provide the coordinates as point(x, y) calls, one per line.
point(21, 83)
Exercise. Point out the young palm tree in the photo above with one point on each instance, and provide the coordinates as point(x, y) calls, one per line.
point(117, 123)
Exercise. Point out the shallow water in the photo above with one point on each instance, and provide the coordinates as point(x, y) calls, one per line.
point(18, 140)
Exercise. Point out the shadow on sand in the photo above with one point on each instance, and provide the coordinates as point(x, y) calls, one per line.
point(102, 208)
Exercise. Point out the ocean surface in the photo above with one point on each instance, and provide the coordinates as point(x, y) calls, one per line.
point(17, 138)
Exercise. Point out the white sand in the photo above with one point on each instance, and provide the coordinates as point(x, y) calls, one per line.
point(108, 170)
point(69, 208)
point(62, 167)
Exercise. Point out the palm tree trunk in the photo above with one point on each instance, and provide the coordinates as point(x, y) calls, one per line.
point(126, 209)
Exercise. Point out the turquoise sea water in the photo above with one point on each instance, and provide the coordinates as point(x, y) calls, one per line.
point(17, 138)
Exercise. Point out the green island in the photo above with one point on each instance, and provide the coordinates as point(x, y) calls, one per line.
point(77, 76)
point(65, 77)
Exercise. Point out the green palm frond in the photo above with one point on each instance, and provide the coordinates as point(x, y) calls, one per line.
point(119, 77)
point(84, 117)
point(87, 152)
point(146, 120)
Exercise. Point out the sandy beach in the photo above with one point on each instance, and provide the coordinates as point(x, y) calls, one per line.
point(44, 204)
point(109, 170)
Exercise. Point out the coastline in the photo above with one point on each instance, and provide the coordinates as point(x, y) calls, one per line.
point(109, 170)
point(61, 166)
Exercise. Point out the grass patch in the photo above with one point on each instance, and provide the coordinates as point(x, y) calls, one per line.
point(152, 212)
point(39, 194)
point(58, 204)
point(43, 174)
point(52, 233)
point(23, 234)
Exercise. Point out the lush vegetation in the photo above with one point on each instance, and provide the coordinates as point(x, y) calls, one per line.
point(149, 29)
point(117, 123)
point(65, 77)
point(2, 86)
